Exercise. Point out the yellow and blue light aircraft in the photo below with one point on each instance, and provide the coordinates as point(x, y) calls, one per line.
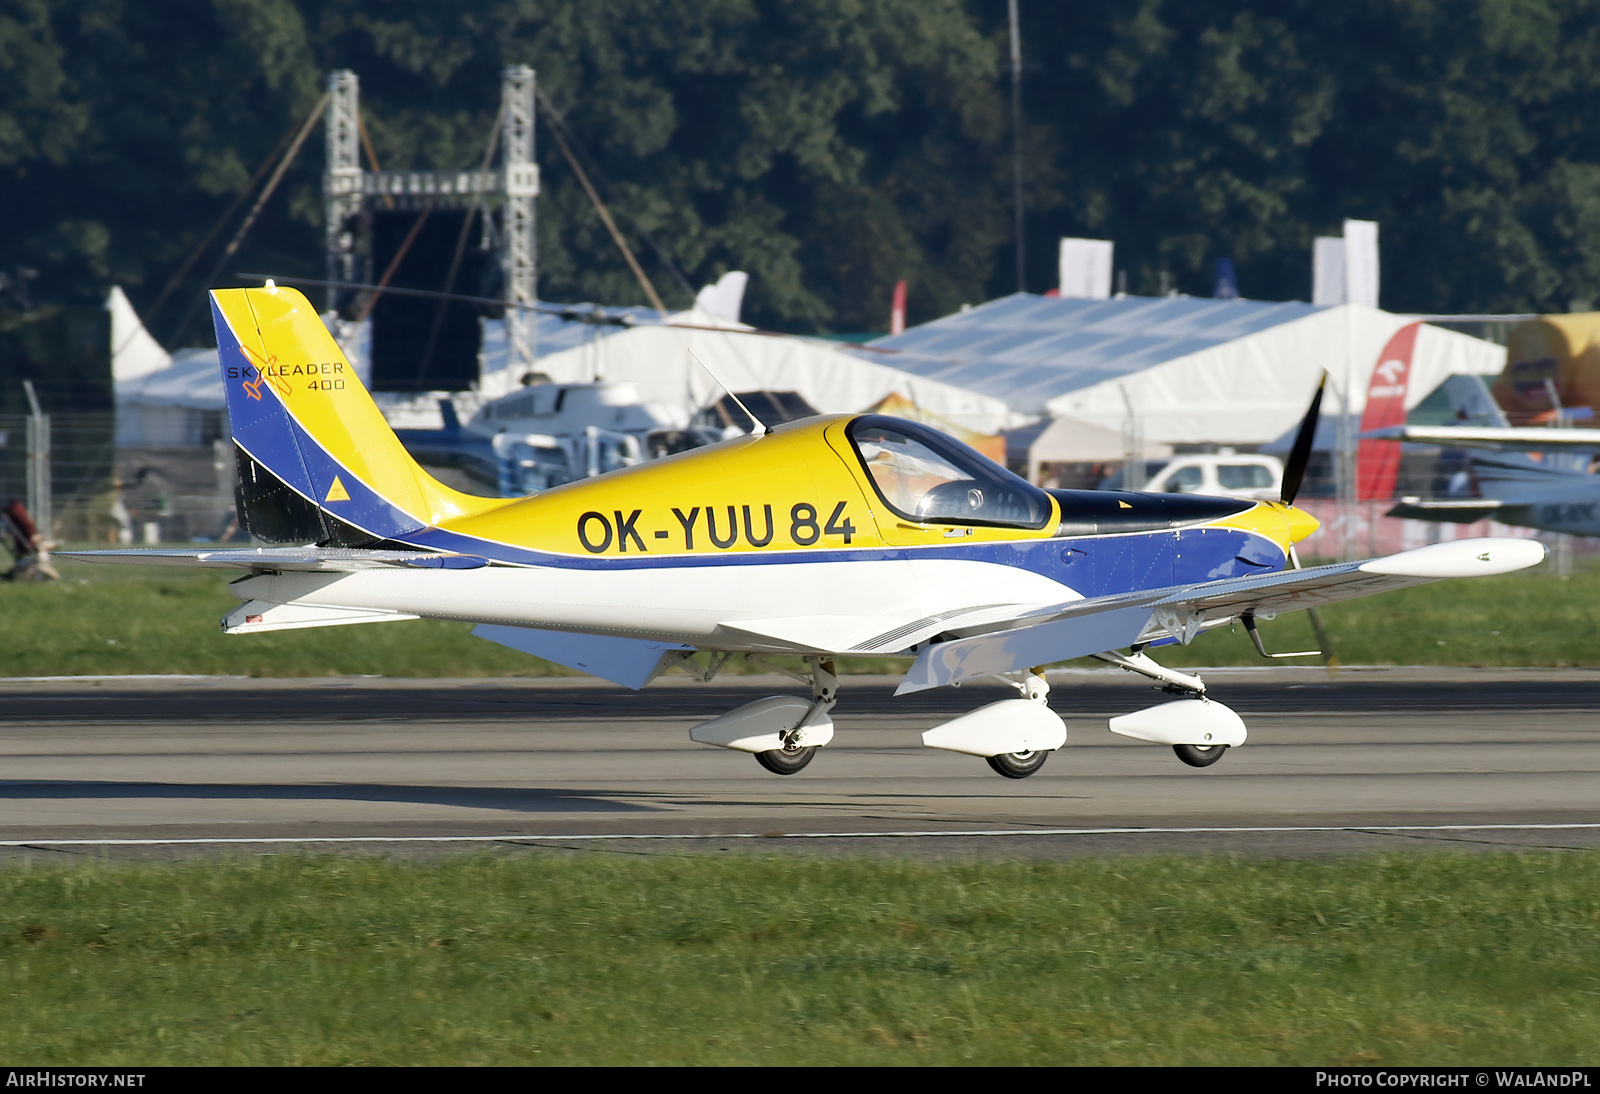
point(851, 534)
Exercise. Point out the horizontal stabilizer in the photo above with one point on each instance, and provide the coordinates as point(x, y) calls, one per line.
point(304, 559)
point(256, 616)
point(631, 662)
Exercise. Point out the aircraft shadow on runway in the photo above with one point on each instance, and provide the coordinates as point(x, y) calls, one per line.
point(516, 799)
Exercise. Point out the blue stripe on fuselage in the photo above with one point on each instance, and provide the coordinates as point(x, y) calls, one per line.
point(1092, 565)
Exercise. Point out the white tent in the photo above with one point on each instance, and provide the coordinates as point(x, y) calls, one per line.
point(1191, 371)
point(156, 407)
point(1070, 440)
point(176, 407)
point(133, 352)
point(833, 377)
point(1252, 389)
point(162, 400)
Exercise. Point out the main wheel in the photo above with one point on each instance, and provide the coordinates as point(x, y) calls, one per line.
point(785, 762)
point(1018, 765)
point(1199, 755)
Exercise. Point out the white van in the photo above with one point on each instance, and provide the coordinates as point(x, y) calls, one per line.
point(1224, 474)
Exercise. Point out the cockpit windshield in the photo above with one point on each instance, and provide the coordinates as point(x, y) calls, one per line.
point(926, 476)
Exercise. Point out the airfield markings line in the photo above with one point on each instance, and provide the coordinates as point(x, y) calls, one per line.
point(587, 837)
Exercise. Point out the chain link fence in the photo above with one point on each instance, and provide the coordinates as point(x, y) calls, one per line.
point(100, 494)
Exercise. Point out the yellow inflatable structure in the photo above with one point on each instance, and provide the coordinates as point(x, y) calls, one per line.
point(1552, 364)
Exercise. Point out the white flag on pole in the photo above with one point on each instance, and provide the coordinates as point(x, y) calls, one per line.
point(1327, 270)
point(1086, 268)
point(1361, 262)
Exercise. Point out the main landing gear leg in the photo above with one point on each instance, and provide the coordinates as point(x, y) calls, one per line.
point(783, 732)
point(1019, 765)
point(795, 753)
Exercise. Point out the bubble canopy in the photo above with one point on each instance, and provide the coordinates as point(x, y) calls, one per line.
point(925, 476)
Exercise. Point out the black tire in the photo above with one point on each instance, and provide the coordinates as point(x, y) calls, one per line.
point(1199, 755)
point(781, 762)
point(1018, 765)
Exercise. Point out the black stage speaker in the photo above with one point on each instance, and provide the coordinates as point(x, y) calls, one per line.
point(418, 343)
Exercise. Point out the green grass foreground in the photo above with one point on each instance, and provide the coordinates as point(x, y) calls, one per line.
point(598, 959)
point(102, 620)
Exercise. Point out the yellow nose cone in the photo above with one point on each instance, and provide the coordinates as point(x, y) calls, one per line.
point(1282, 524)
point(1301, 524)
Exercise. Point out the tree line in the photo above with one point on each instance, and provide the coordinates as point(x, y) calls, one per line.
point(832, 147)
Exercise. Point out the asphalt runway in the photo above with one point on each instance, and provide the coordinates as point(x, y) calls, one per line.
point(1362, 760)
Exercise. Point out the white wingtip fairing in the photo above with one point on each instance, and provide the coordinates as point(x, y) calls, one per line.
point(1461, 558)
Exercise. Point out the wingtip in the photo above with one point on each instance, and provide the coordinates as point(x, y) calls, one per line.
point(1462, 558)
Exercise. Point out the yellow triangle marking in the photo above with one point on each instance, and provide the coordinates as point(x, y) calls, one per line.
point(1120, 504)
point(337, 492)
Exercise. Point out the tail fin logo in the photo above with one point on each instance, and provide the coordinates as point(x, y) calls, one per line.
point(265, 372)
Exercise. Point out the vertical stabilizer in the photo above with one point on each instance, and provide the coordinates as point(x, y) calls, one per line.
point(1472, 402)
point(317, 459)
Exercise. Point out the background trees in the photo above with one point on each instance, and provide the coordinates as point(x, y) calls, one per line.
point(831, 147)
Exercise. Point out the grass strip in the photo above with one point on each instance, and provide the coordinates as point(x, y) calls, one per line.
point(107, 621)
point(599, 959)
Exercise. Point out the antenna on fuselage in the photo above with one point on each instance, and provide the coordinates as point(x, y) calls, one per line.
point(765, 428)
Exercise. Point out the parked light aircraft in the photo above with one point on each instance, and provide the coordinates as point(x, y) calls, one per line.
point(851, 534)
point(547, 434)
point(1556, 492)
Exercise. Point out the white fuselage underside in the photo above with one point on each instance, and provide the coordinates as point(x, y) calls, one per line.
point(831, 607)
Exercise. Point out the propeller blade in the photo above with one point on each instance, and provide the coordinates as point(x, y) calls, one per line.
point(1294, 471)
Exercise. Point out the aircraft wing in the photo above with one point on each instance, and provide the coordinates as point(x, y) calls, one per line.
point(305, 559)
point(1084, 627)
point(1505, 439)
point(1450, 511)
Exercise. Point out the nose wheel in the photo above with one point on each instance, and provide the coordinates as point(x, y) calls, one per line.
point(1018, 765)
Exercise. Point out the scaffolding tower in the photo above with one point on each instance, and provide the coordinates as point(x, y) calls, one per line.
point(507, 190)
